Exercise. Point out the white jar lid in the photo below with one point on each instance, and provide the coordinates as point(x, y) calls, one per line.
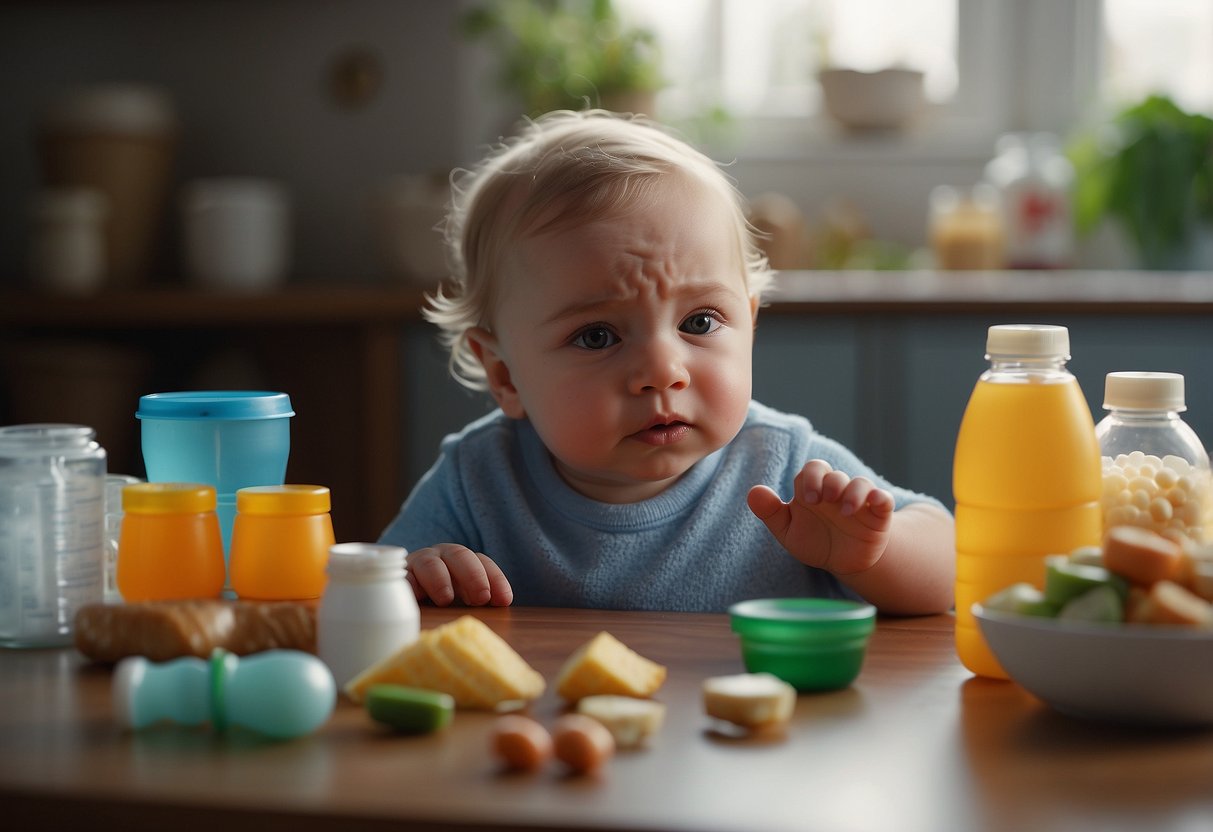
point(207, 193)
point(1144, 391)
point(1028, 341)
point(113, 108)
point(366, 561)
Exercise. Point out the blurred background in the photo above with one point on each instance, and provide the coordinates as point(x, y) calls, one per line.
point(190, 188)
point(338, 101)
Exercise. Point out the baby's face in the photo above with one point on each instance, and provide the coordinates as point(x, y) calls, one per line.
point(628, 343)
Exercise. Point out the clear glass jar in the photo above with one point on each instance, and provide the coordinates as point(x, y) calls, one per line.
point(1034, 180)
point(114, 483)
point(52, 516)
point(965, 228)
point(368, 610)
point(1155, 469)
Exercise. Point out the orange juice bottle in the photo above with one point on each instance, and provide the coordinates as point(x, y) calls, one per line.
point(1026, 474)
point(169, 546)
point(280, 542)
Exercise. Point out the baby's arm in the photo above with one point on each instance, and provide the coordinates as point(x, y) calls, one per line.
point(903, 562)
point(448, 571)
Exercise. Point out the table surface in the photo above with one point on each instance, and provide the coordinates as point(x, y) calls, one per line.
point(916, 743)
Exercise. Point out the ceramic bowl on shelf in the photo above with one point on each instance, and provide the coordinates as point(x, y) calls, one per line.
point(813, 644)
point(885, 100)
point(1127, 673)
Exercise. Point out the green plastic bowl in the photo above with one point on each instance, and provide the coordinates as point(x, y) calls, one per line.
point(813, 644)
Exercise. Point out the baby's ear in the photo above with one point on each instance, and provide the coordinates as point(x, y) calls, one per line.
point(488, 351)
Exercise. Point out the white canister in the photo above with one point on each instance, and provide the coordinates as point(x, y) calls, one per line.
point(237, 233)
point(368, 610)
point(68, 249)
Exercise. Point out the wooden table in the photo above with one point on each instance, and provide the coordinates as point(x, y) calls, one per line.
point(915, 744)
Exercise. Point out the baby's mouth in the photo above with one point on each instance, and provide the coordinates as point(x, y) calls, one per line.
point(663, 433)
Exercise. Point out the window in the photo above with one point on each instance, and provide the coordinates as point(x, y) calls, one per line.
point(991, 66)
point(1158, 47)
point(767, 52)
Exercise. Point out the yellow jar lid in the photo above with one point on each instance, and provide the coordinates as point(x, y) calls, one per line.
point(168, 498)
point(283, 499)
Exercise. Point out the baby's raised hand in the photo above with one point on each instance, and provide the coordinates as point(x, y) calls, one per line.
point(448, 571)
point(832, 522)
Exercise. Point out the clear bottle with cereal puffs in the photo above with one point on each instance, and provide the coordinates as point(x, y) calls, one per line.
point(1155, 470)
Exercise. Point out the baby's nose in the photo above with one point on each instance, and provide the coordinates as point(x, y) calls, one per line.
point(660, 365)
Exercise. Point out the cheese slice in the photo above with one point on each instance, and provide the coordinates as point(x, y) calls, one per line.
point(605, 665)
point(486, 662)
point(463, 658)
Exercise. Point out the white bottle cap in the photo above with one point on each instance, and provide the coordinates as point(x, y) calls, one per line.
point(1144, 391)
point(1028, 341)
point(366, 561)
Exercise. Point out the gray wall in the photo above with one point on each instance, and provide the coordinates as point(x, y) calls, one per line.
point(250, 81)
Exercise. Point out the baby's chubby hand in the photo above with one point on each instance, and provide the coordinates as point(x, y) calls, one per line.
point(448, 572)
point(832, 522)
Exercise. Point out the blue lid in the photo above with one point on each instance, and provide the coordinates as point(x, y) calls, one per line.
point(215, 404)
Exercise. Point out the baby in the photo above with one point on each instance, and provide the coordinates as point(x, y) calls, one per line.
point(605, 290)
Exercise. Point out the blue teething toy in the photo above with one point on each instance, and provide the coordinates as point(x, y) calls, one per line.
point(278, 693)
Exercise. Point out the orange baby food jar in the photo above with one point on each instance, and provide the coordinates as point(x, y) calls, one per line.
point(280, 542)
point(169, 545)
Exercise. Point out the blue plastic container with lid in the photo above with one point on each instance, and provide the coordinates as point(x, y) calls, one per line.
point(230, 439)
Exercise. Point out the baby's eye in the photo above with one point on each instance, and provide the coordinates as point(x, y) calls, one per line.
point(595, 338)
point(701, 323)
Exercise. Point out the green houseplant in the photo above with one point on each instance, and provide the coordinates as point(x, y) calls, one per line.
point(1152, 174)
point(568, 53)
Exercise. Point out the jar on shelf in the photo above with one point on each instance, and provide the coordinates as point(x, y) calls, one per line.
point(965, 228)
point(1155, 470)
point(67, 248)
point(1034, 179)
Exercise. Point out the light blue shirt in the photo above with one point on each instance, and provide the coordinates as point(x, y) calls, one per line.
point(694, 547)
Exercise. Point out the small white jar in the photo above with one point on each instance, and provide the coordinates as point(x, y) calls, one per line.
point(237, 233)
point(68, 251)
point(368, 610)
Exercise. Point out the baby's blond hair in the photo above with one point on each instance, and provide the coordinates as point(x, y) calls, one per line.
point(562, 169)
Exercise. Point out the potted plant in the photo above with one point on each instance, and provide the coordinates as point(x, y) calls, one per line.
point(1151, 174)
point(569, 54)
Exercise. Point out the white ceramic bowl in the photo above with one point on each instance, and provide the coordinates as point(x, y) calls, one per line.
point(1128, 673)
point(888, 99)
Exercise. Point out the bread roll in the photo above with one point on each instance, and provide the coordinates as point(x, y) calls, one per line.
point(163, 630)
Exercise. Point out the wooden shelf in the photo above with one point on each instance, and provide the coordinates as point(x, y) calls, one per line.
point(336, 350)
point(162, 308)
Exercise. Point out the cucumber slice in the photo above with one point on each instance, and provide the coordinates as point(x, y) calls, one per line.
point(1087, 556)
point(1066, 580)
point(409, 710)
point(1101, 605)
point(1021, 599)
